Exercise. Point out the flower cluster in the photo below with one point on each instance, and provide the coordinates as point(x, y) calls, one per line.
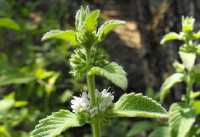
point(82, 103)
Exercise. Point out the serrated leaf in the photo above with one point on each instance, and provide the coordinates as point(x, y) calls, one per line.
point(92, 20)
point(113, 72)
point(170, 37)
point(137, 105)
point(181, 119)
point(56, 123)
point(170, 82)
point(188, 59)
point(160, 132)
point(9, 23)
point(139, 127)
point(107, 27)
point(68, 36)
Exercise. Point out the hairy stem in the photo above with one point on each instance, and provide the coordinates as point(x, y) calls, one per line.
point(95, 121)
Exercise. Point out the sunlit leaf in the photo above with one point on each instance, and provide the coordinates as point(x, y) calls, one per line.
point(169, 83)
point(107, 27)
point(113, 72)
point(196, 105)
point(137, 105)
point(81, 15)
point(188, 24)
point(92, 20)
point(68, 36)
point(188, 59)
point(6, 104)
point(170, 37)
point(9, 23)
point(196, 35)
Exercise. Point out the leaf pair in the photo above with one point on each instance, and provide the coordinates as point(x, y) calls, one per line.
point(86, 22)
point(129, 105)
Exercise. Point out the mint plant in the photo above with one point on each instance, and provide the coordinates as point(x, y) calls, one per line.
point(183, 114)
point(94, 107)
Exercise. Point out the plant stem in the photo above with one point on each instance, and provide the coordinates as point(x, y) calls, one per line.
point(95, 120)
point(189, 83)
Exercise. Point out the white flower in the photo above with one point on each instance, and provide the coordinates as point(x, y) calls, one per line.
point(106, 100)
point(80, 104)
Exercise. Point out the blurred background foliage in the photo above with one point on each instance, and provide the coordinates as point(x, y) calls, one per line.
point(34, 78)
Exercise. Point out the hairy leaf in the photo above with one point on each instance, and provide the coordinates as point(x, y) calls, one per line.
point(170, 37)
point(188, 59)
point(56, 123)
point(170, 82)
point(113, 72)
point(92, 20)
point(69, 36)
point(160, 132)
point(107, 27)
point(181, 119)
point(81, 15)
point(137, 105)
point(9, 23)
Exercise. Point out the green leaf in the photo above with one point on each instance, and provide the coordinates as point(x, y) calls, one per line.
point(188, 59)
point(113, 72)
point(197, 35)
point(14, 79)
point(195, 131)
point(179, 67)
point(139, 127)
point(137, 105)
point(56, 123)
point(69, 36)
point(92, 20)
point(195, 94)
point(187, 24)
point(107, 27)
point(160, 132)
point(6, 104)
point(81, 15)
point(196, 105)
point(9, 23)
point(195, 73)
point(170, 37)
point(170, 82)
point(181, 119)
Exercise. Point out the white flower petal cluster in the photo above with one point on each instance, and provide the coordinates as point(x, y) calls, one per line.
point(106, 100)
point(80, 104)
